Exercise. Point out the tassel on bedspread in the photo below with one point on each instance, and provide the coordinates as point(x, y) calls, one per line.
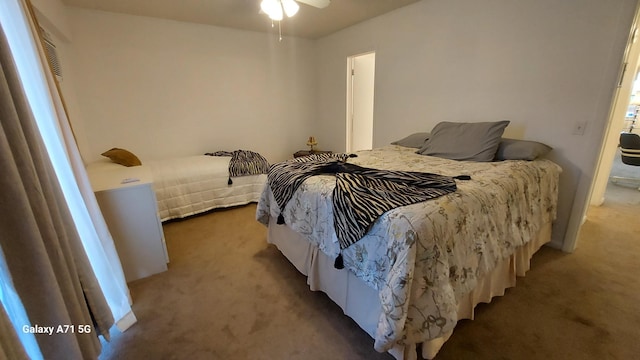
point(361, 195)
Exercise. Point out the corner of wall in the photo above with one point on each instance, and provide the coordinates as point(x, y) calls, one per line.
point(52, 15)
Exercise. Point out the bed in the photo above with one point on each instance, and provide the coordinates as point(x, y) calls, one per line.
point(422, 267)
point(190, 185)
point(195, 184)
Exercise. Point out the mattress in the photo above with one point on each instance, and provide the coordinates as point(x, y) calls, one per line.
point(188, 185)
point(194, 184)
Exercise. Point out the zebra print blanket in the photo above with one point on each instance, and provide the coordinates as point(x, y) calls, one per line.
point(243, 163)
point(361, 195)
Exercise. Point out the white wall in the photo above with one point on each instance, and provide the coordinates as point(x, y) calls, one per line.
point(544, 65)
point(52, 16)
point(163, 88)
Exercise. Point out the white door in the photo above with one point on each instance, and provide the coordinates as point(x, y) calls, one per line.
point(361, 79)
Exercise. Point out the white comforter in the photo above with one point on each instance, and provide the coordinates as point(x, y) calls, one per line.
point(422, 258)
point(190, 185)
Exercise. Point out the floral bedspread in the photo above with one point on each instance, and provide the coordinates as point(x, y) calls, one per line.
point(423, 257)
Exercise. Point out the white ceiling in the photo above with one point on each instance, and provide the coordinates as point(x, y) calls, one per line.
point(309, 23)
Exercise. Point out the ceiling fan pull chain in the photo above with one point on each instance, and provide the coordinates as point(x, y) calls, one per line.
point(279, 31)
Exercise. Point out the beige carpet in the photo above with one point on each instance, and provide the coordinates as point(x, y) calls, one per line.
point(229, 295)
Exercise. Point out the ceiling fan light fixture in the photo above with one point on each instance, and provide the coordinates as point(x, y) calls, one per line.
point(290, 7)
point(273, 8)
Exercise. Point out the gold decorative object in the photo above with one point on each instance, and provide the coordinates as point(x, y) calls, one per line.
point(312, 142)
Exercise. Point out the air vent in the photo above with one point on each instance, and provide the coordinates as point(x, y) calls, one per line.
point(52, 54)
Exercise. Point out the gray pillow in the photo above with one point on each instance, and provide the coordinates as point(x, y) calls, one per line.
point(512, 149)
point(465, 141)
point(415, 140)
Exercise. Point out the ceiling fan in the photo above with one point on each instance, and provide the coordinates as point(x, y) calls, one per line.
point(276, 9)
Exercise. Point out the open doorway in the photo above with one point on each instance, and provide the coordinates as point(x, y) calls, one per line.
point(625, 172)
point(608, 199)
point(621, 119)
point(360, 94)
point(620, 182)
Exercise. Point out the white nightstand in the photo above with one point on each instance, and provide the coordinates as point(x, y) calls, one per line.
point(129, 207)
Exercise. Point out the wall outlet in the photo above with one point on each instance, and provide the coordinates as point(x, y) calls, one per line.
point(579, 127)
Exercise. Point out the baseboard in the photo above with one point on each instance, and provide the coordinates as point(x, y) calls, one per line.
point(126, 322)
point(555, 244)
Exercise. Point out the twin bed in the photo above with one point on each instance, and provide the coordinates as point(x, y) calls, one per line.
point(190, 185)
point(422, 267)
point(195, 184)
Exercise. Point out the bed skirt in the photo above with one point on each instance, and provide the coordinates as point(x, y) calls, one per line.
point(360, 302)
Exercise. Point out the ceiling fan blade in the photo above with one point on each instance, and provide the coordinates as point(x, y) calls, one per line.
point(320, 4)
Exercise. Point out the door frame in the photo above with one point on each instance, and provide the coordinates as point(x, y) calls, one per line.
point(349, 100)
point(626, 75)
